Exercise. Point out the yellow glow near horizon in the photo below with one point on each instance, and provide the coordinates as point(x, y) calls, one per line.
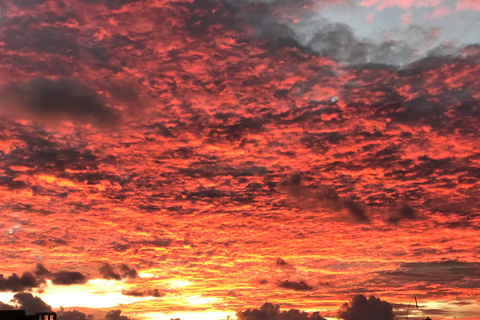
point(193, 300)
point(96, 293)
point(86, 299)
point(179, 283)
point(209, 315)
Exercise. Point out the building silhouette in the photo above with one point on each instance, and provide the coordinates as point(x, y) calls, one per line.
point(20, 315)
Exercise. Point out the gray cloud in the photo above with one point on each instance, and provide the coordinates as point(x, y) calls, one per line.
point(444, 272)
point(47, 100)
point(315, 34)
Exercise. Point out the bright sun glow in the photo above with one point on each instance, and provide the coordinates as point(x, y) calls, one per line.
point(145, 275)
point(95, 294)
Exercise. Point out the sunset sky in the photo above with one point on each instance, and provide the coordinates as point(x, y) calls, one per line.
point(194, 159)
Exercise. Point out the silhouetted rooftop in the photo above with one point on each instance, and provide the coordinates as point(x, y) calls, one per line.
point(21, 315)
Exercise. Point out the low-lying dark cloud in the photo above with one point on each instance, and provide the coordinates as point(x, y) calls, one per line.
point(66, 278)
point(143, 293)
point(269, 311)
point(444, 272)
point(25, 282)
point(36, 279)
point(120, 272)
point(115, 315)
point(4, 306)
point(33, 304)
point(73, 315)
point(30, 303)
point(62, 99)
point(363, 308)
point(295, 285)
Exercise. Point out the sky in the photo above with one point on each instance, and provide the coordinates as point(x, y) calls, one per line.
point(247, 159)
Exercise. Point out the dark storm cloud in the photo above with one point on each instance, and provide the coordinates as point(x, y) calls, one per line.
point(26, 282)
point(57, 100)
point(66, 278)
point(30, 303)
point(295, 285)
point(143, 293)
point(110, 272)
point(269, 311)
point(363, 308)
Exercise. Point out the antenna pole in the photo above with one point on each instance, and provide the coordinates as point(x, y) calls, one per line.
point(408, 307)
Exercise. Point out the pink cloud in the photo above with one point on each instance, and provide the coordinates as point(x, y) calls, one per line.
point(443, 11)
point(369, 18)
point(405, 4)
point(406, 18)
point(468, 4)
